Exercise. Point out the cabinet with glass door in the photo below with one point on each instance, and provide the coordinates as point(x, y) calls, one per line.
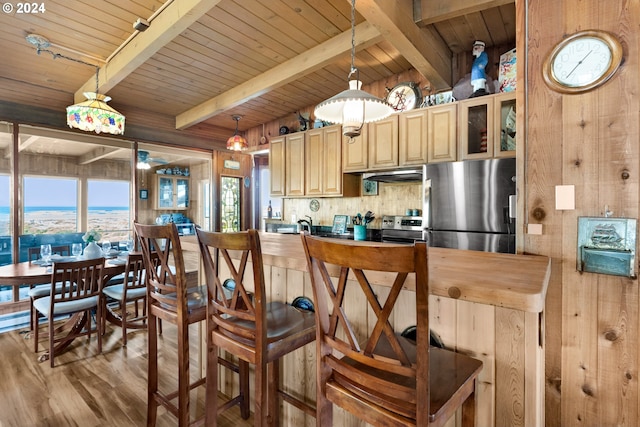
point(172, 192)
point(487, 126)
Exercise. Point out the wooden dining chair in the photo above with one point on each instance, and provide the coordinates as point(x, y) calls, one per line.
point(375, 373)
point(168, 299)
point(247, 324)
point(38, 291)
point(76, 287)
point(132, 291)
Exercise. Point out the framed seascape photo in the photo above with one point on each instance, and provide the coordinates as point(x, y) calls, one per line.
point(144, 194)
point(369, 188)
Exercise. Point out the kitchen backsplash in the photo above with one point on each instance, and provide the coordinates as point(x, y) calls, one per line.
point(392, 199)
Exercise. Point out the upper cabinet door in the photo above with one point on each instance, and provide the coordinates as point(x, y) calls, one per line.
point(277, 166)
point(413, 137)
point(355, 152)
point(314, 154)
point(383, 143)
point(332, 161)
point(505, 116)
point(294, 164)
point(476, 128)
point(442, 125)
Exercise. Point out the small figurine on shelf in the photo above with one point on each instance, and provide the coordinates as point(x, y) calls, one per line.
point(478, 75)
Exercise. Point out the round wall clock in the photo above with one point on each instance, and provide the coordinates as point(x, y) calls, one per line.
point(404, 96)
point(314, 205)
point(582, 61)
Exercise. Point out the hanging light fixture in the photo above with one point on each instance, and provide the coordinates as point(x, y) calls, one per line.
point(94, 115)
point(353, 107)
point(237, 142)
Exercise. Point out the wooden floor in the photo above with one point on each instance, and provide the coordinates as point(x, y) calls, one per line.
point(90, 389)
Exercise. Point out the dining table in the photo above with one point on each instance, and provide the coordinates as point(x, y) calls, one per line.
point(36, 273)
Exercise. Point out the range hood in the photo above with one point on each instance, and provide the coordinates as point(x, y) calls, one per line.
point(399, 175)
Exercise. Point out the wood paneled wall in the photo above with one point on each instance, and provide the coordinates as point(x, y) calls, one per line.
point(589, 141)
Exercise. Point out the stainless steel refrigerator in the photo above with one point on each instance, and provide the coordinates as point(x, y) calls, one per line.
point(470, 205)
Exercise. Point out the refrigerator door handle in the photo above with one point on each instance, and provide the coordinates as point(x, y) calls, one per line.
point(426, 201)
point(512, 206)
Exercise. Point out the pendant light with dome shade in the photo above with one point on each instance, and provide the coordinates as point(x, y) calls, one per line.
point(353, 107)
point(237, 142)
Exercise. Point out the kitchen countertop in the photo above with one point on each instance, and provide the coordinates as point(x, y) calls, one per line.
point(504, 280)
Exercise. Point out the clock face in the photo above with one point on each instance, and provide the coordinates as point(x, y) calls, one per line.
point(582, 61)
point(404, 97)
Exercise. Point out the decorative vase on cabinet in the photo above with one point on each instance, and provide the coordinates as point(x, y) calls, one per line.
point(92, 251)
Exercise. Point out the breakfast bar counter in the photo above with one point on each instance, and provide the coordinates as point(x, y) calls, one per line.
point(503, 280)
point(487, 305)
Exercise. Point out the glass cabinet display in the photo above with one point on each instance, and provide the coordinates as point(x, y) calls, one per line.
point(488, 126)
point(505, 107)
point(173, 192)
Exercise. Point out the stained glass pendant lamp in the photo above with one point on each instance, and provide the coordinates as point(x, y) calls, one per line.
point(92, 115)
point(237, 142)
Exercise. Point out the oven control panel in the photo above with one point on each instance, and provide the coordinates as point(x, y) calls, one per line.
point(398, 222)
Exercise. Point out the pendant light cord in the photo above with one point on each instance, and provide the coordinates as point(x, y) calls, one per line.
point(79, 61)
point(353, 40)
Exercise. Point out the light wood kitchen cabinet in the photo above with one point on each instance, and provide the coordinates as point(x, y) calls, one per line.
point(442, 136)
point(172, 192)
point(277, 169)
point(481, 123)
point(383, 143)
point(286, 165)
point(294, 164)
point(412, 137)
point(355, 152)
point(505, 126)
point(323, 164)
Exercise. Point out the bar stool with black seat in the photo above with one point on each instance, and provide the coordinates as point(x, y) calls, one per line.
point(257, 331)
point(169, 299)
point(375, 373)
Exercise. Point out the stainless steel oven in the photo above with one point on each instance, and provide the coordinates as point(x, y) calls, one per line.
point(401, 229)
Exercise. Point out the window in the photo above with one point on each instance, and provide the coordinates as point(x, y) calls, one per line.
point(108, 209)
point(50, 205)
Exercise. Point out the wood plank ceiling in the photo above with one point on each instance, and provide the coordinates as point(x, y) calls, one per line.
point(202, 61)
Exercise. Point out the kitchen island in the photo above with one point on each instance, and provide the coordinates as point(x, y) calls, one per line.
point(486, 305)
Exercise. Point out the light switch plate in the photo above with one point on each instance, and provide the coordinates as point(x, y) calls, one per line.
point(565, 197)
point(534, 228)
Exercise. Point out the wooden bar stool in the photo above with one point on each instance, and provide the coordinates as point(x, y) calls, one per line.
point(377, 374)
point(257, 331)
point(169, 299)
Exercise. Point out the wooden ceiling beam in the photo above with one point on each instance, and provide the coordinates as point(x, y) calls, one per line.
point(167, 25)
point(428, 54)
point(432, 11)
point(99, 153)
point(295, 68)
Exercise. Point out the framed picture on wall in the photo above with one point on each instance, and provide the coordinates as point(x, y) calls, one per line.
point(144, 194)
point(369, 188)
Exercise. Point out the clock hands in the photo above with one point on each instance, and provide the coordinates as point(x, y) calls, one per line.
point(578, 64)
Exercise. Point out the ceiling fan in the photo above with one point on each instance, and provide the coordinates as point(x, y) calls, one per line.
point(144, 160)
